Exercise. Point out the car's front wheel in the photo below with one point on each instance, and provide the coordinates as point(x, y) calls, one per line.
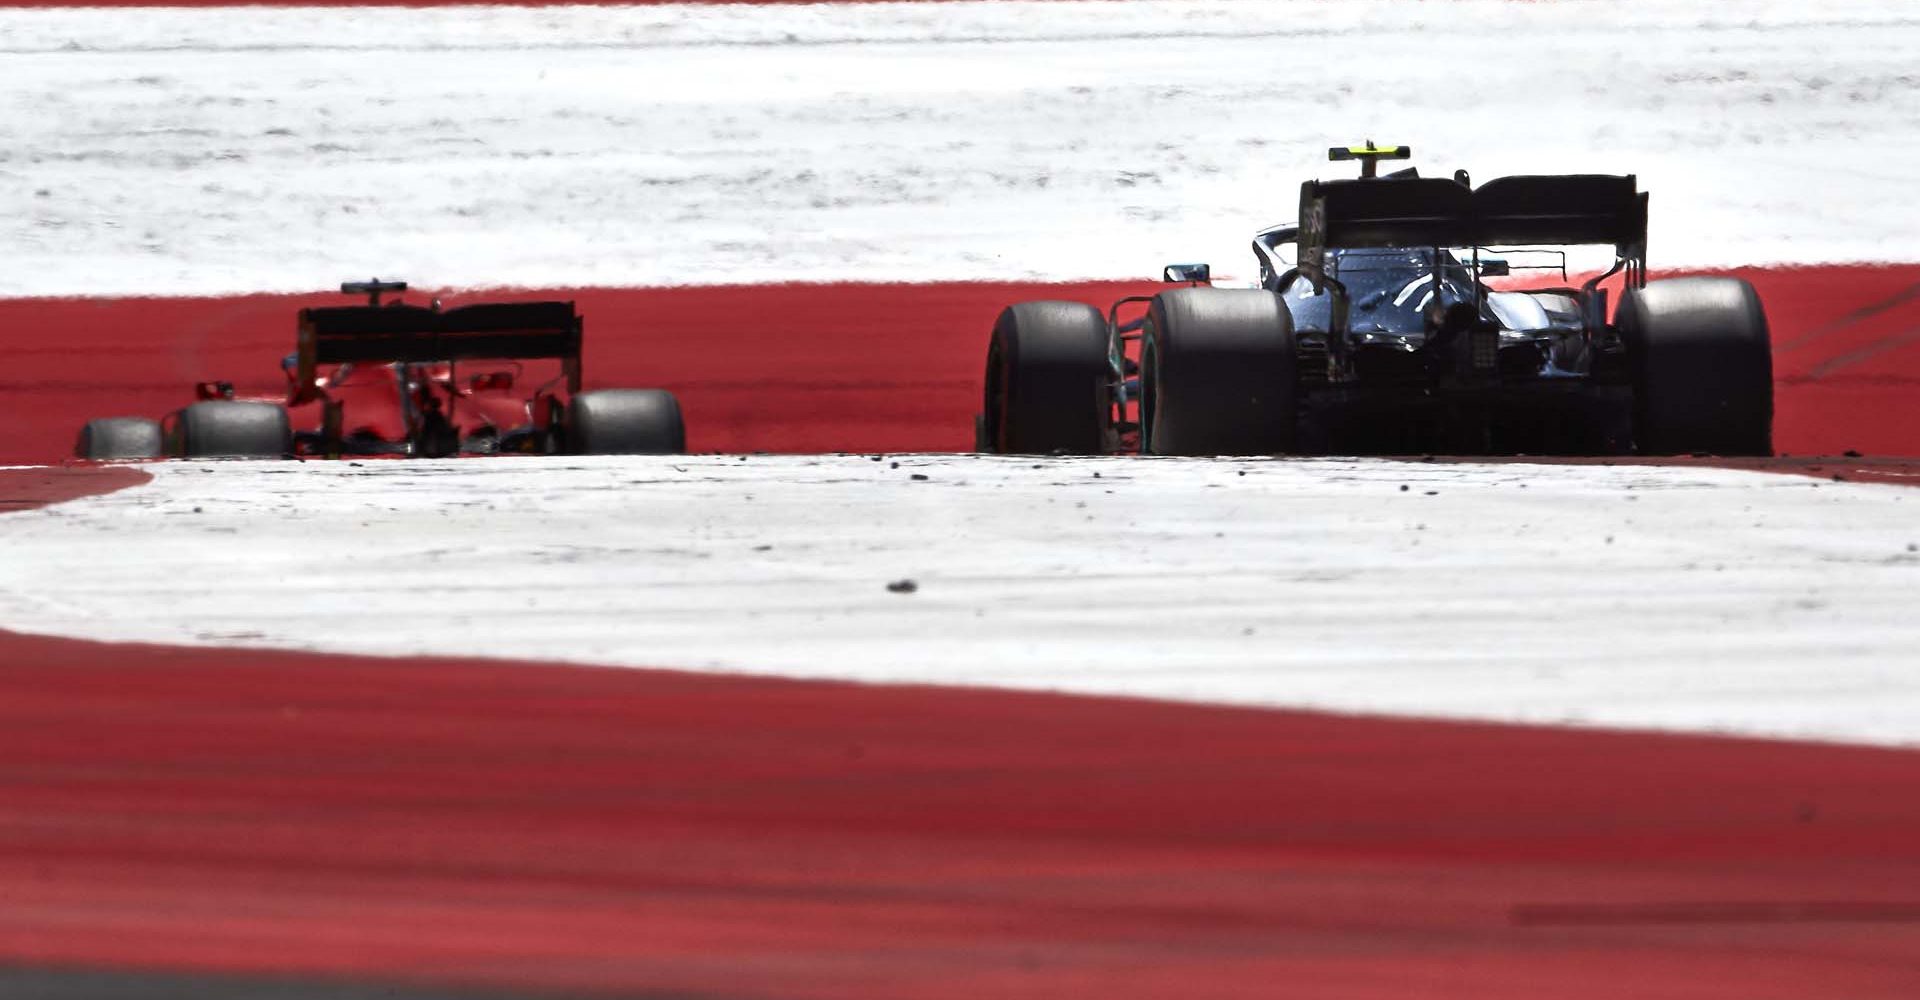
point(223, 428)
point(625, 422)
point(1048, 381)
point(118, 438)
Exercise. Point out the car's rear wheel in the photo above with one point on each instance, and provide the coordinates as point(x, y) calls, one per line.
point(118, 438)
point(1217, 374)
point(625, 422)
point(223, 428)
point(1702, 366)
point(1048, 381)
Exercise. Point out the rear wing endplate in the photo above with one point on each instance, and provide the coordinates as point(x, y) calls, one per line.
point(336, 335)
point(1523, 210)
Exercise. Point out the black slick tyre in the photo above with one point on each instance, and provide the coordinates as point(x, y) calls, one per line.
point(118, 438)
point(625, 422)
point(231, 429)
point(1217, 374)
point(1048, 381)
point(1702, 364)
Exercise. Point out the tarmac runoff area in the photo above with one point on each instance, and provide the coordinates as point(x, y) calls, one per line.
point(1684, 598)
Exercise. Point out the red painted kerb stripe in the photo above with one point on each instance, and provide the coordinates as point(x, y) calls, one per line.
point(668, 834)
point(812, 368)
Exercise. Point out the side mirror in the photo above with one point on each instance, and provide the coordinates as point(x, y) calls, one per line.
point(1494, 269)
point(1198, 274)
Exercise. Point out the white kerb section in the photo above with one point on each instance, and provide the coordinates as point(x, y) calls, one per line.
point(1681, 598)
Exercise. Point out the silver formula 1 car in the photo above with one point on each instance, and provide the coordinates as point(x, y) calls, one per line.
point(1392, 319)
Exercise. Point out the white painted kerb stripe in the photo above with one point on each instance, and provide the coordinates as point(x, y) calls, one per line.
point(1678, 598)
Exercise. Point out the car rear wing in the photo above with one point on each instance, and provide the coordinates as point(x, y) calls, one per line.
point(1549, 210)
point(335, 335)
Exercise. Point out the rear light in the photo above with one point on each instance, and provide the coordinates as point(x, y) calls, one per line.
point(213, 390)
point(1485, 349)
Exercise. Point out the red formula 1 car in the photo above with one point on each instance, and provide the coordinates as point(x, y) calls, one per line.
point(398, 379)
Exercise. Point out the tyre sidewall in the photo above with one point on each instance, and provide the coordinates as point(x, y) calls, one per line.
point(1048, 381)
point(1702, 365)
point(625, 422)
point(1218, 374)
point(231, 429)
point(120, 438)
